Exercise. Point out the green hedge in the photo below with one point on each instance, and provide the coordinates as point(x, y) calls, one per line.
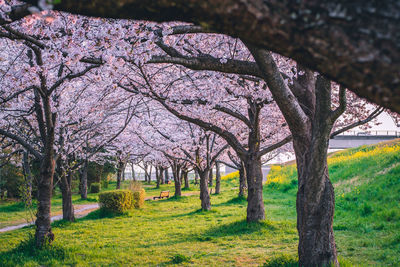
point(138, 198)
point(95, 188)
point(116, 201)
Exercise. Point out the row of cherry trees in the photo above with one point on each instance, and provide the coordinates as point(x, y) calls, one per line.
point(170, 95)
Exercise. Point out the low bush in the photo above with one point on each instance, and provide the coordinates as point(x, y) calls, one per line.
point(117, 201)
point(138, 194)
point(138, 198)
point(95, 188)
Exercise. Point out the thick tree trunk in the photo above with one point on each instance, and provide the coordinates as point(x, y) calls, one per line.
point(204, 194)
point(162, 180)
point(158, 176)
point(177, 181)
point(67, 207)
point(84, 184)
point(217, 178)
point(166, 176)
point(186, 179)
point(43, 232)
point(255, 204)
point(242, 180)
point(315, 205)
point(315, 197)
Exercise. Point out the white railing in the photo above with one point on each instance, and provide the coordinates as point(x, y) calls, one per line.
point(372, 133)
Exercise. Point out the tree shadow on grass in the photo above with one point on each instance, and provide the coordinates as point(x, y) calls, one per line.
point(17, 206)
point(89, 199)
point(212, 234)
point(238, 228)
point(27, 253)
point(232, 201)
point(102, 214)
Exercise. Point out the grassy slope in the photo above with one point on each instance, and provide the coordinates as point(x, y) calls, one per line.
point(367, 188)
point(366, 226)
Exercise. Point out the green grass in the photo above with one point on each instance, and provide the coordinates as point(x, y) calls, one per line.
point(367, 189)
point(175, 232)
point(14, 212)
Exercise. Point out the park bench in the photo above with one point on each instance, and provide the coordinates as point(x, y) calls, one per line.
point(163, 194)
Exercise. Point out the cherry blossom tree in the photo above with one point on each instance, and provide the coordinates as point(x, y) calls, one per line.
point(305, 100)
point(41, 59)
point(184, 145)
point(331, 34)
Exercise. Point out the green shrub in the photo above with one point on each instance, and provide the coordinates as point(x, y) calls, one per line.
point(138, 198)
point(95, 188)
point(282, 260)
point(138, 194)
point(116, 201)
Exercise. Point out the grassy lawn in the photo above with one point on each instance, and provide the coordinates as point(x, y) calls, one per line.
point(175, 232)
point(14, 212)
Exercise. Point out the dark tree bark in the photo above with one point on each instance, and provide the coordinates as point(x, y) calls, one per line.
point(217, 178)
point(255, 203)
point(355, 43)
point(204, 194)
point(84, 183)
point(45, 185)
point(186, 179)
point(158, 176)
point(242, 180)
point(65, 186)
point(315, 197)
point(307, 110)
point(43, 232)
point(166, 175)
point(176, 169)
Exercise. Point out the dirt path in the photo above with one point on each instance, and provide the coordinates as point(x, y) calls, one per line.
point(80, 211)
